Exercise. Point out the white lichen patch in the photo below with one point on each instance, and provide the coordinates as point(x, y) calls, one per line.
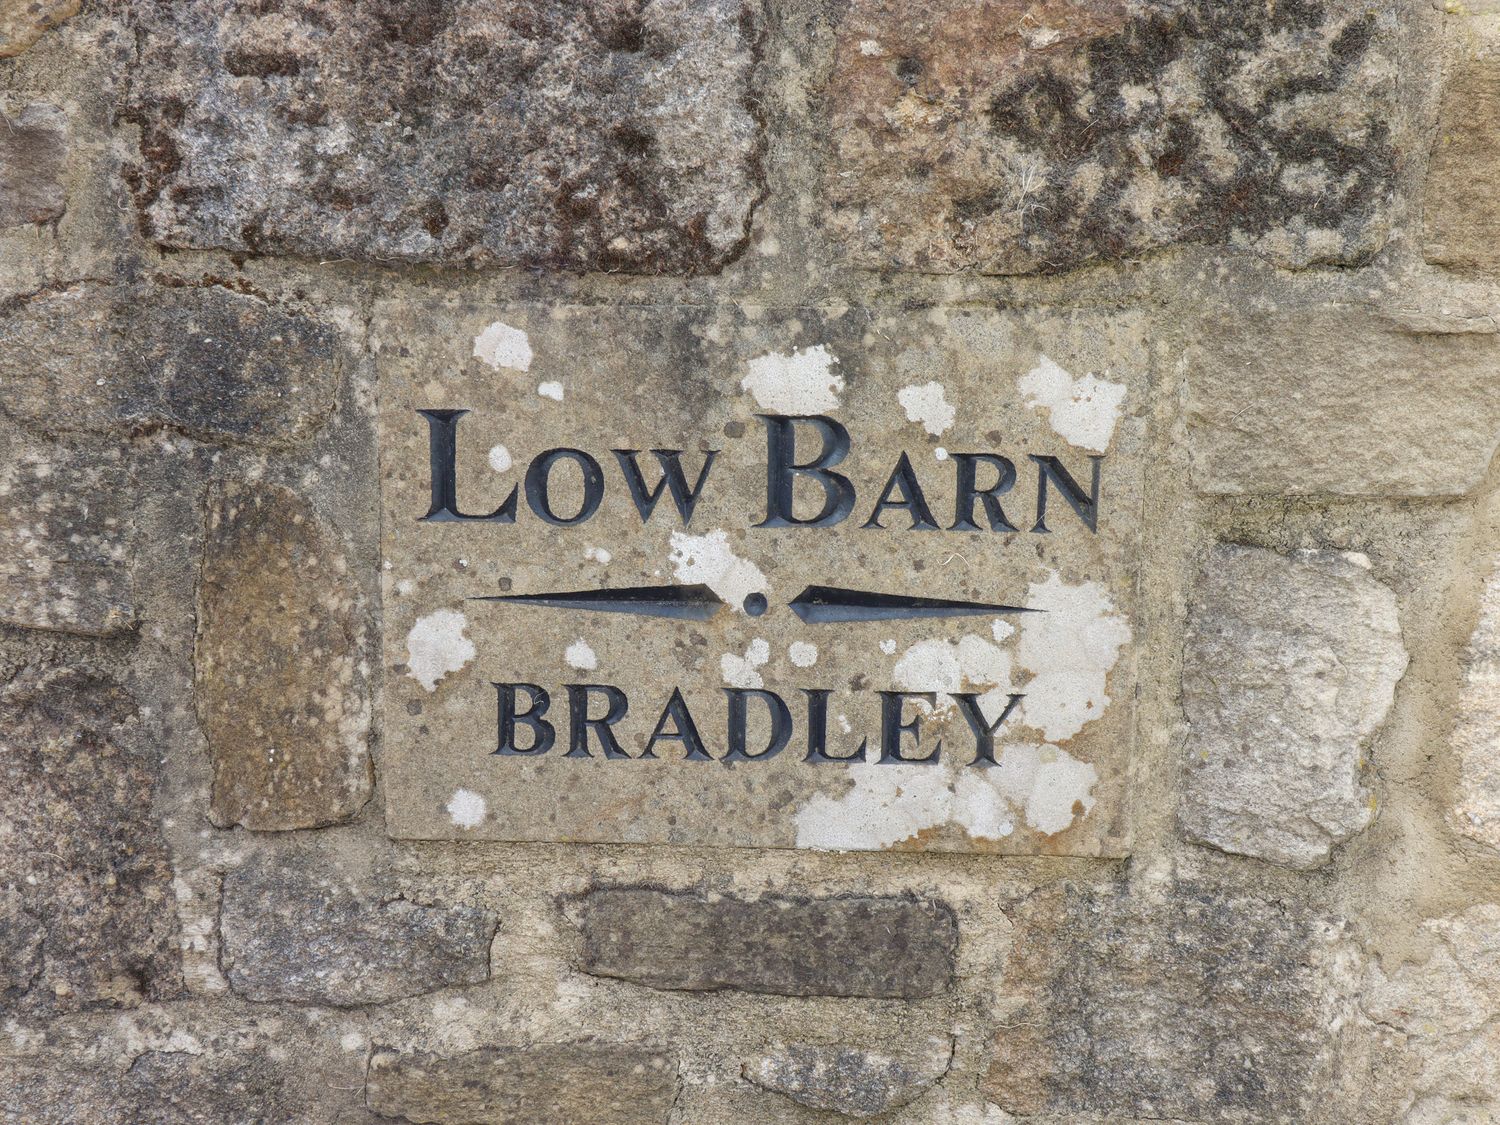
point(944, 666)
point(1082, 411)
point(803, 654)
point(797, 382)
point(740, 671)
point(598, 555)
point(552, 390)
point(500, 345)
point(1069, 648)
point(708, 559)
point(927, 406)
point(579, 655)
point(436, 646)
point(467, 808)
point(500, 459)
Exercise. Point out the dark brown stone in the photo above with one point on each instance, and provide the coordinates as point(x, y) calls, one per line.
point(1022, 137)
point(80, 852)
point(281, 697)
point(291, 934)
point(597, 1083)
point(217, 365)
point(33, 154)
point(611, 134)
point(877, 947)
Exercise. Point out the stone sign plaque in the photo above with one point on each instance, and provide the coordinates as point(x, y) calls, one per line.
point(836, 578)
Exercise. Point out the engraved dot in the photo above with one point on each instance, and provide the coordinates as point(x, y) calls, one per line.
point(755, 604)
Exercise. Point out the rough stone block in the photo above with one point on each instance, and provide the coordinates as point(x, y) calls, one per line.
point(597, 1083)
point(280, 693)
point(1476, 735)
point(605, 135)
point(1181, 1003)
point(300, 936)
point(1290, 667)
point(1019, 137)
point(82, 857)
point(218, 365)
point(849, 1080)
point(33, 154)
point(67, 539)
point(1462, 206)
point(23, 22)
point(1331, 400)
point(876, 947)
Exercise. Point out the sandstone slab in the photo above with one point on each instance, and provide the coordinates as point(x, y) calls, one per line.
point(1183, 1003)
point(33, 156)
point(124, 359)
point(878, 947)
point(67, 540)
point(849, 1080)
point(1290, 668)
point(281, 696)
point(1461, 210)
point(297, 935)
point(82, 858)
point(23, 22)
point(595, 136)
point(1476, 735)
point(1020, 137)
point(1324, 400)
point(726, 659)
point(610, 1085)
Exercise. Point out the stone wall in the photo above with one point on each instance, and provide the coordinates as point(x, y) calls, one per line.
point(216, 216)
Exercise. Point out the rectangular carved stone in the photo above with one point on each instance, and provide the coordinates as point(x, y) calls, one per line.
point(598, 135)
point(886, 948)
point(597, 1083)
point(616, 608)
point(33, 156)
point(1461, 207)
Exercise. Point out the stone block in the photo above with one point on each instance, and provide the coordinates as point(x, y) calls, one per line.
point(128, 359)
point(1342, 401)
point(281, 697)
point(602, 135)
point(1476, 734)
point(1462, 204)
point(1290, 668)
point(849, 1080)
point(67, 540)
point(33, 156)
point(83, 857)
point(597, 1083)
point(303, 936)
point(23, 22)
point(885, 948)
point(1018, 137)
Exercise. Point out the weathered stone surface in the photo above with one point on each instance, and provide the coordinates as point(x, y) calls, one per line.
point(1019, 137)
point(1476, 734)
point(878, 947)
point(81, 856)
point(23, 22)
point(67, 540)
point(518, 1085)
point(849, 1080)
point(608, 135)
point(1181, 1003)
point(1325, 400)
point(1290, 667)
point(1462, 203)
point(201, 1089)
point(290, 934)
point(218, 365)
point(281, 697)
point(33, 153)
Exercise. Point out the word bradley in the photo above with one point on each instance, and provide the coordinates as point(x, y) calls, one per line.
point(903, 493)
point(676, 724)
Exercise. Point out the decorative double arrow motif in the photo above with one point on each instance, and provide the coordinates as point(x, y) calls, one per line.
point(816, 604)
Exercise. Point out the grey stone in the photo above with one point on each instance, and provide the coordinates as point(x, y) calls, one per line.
point(280, 693)
point(876, 947)
point(1476, 734)
point(1461, 209)
point(1290, 668)
point(292, 934)
point(33, 155)
point(67, 538)
point(607, 135)
point(849, 1080)
point(1021, 137)
point(80, 851)
point(1170, 1003)
point(597, 1083)
point(1320, 400)
point(215, 364)
point(23, 22)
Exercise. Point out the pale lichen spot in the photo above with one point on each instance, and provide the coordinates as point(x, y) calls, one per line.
point(1082, 411)
point(598, 555)
point(500, 345)
point(708, 559)
point(436, 645)
point(926, 405)
point(741, 671)
point(579, 655)
point(803, 654)
point(1070, 648)
point(500, 459)
point(797, 382)
point(552, 390)
point(467, 808)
